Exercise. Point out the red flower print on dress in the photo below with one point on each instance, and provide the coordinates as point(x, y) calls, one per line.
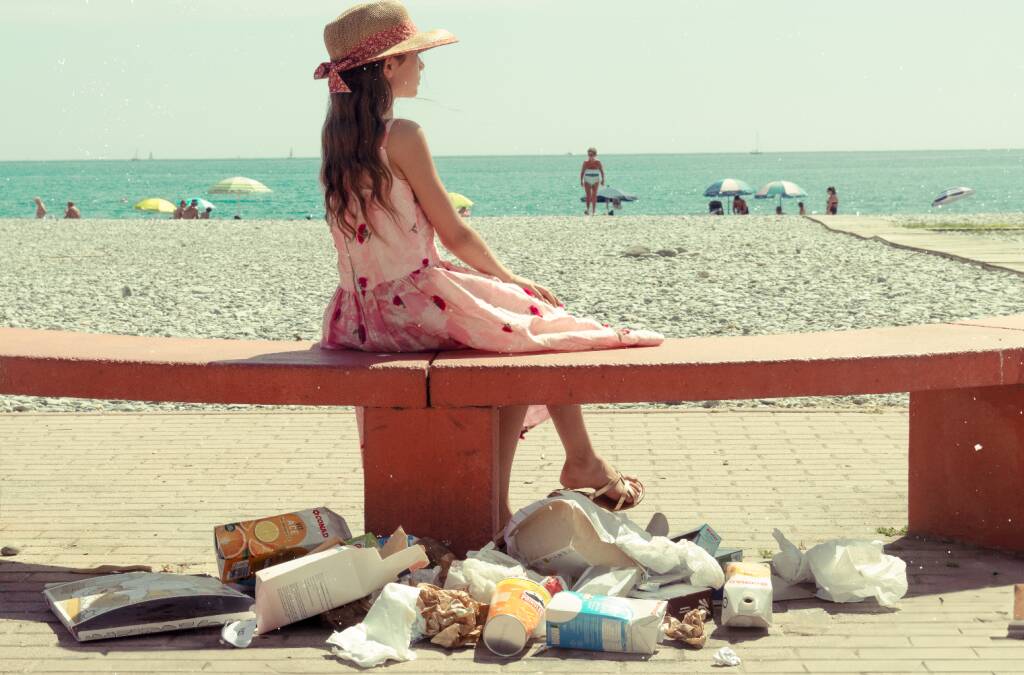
point(361, 332)
point(535, 311)
point(507, 328)
point(397, 302)
point(529, 292)
point(425, 262)
point(439, 301)
point(363, 233)
point(362, 282)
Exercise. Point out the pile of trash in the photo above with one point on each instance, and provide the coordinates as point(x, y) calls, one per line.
point(571, 574)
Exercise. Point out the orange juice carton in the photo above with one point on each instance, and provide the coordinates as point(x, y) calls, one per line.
point(245, 548)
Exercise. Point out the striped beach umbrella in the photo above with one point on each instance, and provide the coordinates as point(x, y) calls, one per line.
point(728, 187)
point(155, 204)
point(201, 203)
point(781, 189)
point(239, 185)
point(952, 195)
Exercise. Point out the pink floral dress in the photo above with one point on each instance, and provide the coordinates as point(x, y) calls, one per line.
point(395, 294)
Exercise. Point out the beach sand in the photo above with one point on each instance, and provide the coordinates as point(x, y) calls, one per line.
point(272, 279)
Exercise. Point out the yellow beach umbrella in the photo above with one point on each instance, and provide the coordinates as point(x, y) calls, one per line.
point(155, 204)
point(238, 185)
point(459, 201)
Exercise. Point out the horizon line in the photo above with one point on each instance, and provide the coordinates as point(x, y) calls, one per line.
point(569, 154)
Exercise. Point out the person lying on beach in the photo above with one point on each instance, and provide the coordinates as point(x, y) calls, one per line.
point(395, 293)
point(40, 207)
point(591, 176)
point(72, 211)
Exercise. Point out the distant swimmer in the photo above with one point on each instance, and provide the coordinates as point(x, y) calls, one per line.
point(72, 211)
point(832, 204)
point(191, 211)
point(178, 212)
point(591, 177)
point(40, 207)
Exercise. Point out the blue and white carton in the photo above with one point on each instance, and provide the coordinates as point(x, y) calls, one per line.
point(603, 623)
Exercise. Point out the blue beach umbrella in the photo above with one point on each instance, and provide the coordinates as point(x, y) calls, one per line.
point(781, 189)
point(728, 187)
point(201, 204)
point(952, 195)
point(607, 194)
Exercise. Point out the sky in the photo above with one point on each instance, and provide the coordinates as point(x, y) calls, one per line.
point(104, 79)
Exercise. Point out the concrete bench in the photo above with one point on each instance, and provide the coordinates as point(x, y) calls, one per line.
point(430, 426)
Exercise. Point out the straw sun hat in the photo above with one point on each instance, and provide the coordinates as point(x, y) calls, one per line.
point(370, 32)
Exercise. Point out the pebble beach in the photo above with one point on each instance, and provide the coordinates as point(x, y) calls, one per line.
point(681, 275)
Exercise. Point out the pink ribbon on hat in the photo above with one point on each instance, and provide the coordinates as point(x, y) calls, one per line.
point(364, 52)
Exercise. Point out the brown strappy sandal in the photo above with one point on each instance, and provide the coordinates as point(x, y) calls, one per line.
point(600, 497)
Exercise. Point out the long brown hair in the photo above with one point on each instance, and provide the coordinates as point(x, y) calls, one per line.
point(351, 140)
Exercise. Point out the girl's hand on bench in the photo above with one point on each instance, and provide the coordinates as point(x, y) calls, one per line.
point(535, 289)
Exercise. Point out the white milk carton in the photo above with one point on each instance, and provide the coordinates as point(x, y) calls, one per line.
point(311, 585)
point(604, 624)
point(747, 595)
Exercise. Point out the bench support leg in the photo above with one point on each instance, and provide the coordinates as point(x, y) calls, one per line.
point(434, 471)
point(967, 465)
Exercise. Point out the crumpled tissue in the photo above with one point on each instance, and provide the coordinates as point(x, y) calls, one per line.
point(844, 570)
point(451, 618)
point(725, 657)
point(482, 570)
point(385, 634)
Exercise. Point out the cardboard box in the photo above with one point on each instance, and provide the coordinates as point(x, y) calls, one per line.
point(245, 548)
point(604, 624)
point(681, 598)
point(704, 536)
point(117, 605)
point(316, 583)
point(560, 539)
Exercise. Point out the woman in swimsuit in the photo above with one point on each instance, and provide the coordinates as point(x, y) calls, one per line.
point(832, 205)
point(591, 176)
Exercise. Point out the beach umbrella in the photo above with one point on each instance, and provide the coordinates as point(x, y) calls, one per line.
point(728, 187)
point(952, 195)
point(781, 189)
point(155, 204)
point(459, 201)
point(238, 185)
point(202, 204)
point(608, 194)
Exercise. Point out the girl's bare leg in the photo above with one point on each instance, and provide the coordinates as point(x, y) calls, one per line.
point(583, 468)
point(510, 425)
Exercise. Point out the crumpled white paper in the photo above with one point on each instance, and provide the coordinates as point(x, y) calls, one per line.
point(239, 633)
point(391, 625)
point(658, 555)
point(482, 570)
point(844, 570)
point(725, 657)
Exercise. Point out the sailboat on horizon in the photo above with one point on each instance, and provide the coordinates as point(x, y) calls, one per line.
point(757, 144)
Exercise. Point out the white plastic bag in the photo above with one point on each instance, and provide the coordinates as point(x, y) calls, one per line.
point(844, 570)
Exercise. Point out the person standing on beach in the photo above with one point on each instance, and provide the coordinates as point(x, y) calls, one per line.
point(591, 176)
point(395, 293)
point(72, 211)
point(803, 210)
point(832, 203)
point(40, 207)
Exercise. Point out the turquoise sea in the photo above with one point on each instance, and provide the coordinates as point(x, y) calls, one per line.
point(867, 182)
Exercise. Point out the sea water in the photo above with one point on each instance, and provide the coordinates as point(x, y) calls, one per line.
point(867, 183)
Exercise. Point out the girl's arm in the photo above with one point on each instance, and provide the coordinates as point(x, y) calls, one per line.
point(583, 170)
point(410, 158)
point(600, 166)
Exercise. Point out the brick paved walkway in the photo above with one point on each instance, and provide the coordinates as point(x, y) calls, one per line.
point(1004, 254)
point(80, 490)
